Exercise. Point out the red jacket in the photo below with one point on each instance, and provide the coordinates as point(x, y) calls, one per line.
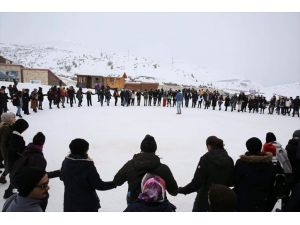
point(269, 147)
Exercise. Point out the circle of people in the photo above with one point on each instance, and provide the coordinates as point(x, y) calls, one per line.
point(59, 96)
point(259, 178)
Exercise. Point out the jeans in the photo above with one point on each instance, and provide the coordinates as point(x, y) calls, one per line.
point(179, 107)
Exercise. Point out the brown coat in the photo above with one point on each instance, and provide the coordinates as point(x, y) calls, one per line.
point(5, 131)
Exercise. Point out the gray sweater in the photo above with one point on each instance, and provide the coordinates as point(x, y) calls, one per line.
point(17, 203)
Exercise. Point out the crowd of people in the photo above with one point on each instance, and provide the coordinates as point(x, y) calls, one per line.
point(261, 176)
point(254, 183)
point(60, 96)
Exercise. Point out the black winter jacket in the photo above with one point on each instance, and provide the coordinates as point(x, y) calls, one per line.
point(291, 150)
point(16, 147)
point(254, 176)
point(36, 159)
point(81, 181)
point(214, 167)
point(134, 170)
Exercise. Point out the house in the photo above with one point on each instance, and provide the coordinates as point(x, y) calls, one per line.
point(40, 76)
point(5, 61)
point(90, 81)
point(142, 86)
point(11, 71)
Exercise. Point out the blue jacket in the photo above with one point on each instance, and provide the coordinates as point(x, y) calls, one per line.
point(179, 97)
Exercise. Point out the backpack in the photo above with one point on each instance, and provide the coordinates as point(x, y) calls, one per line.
point(284, 161)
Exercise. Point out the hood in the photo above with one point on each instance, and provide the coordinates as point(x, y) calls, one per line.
point(21, 204)
point(146, 161)
point(294, 141)
point(219, 157)
point(34, 148)
point(261, 158)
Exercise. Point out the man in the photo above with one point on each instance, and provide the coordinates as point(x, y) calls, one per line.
point(135, 169)
point(179, 99)
point(32, 185)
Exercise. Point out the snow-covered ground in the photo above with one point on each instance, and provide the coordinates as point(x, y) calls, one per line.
point(115, 134)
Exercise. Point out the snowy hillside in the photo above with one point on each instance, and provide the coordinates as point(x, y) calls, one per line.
point(67, 59)
point(66, 62)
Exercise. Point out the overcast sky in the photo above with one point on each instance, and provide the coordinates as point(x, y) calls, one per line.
point(262, 47)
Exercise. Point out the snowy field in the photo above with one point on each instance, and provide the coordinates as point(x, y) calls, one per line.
point(115, 134)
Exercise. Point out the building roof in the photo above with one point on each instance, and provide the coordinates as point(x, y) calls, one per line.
point(92, 75)
point(4, 64)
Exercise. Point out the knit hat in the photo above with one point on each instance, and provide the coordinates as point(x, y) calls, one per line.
point(270, 137)
point(296, 134)
point(39, 139)
point(8, 117)
point(148, 144)
point(20, 125)
point(79, 146)
point(26, 179)
point(254, 145)
point(221, 199)
point(153, 188)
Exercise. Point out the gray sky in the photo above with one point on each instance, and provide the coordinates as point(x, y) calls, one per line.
point(262, 47)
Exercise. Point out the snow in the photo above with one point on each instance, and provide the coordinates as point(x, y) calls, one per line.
point(115, 134)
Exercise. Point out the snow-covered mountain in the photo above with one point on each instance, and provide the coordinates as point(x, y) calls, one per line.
point(67, 59)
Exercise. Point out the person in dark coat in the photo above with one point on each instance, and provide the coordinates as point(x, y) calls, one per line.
point(153, 197)
point(291, 150)
point(34, 157)
point(81, 180)
point(25, 101)
point(146, 161)
point(254, 176)
point(293, 204)
point(16, 147)
point(214, 167)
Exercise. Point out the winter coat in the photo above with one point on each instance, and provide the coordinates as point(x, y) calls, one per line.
point(81, 181)
point(291, 149)
point(214, 167)
point(179, 97)
point(141, 206)
point(5, 132)
point(293, 204)
point(17, 203)
point(34, 100)
point(16, 147)
point(35, 158)
point(134, 170)
point(254, 176)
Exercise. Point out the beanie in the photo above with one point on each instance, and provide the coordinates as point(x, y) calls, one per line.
point(254, 145)
point(26, 179)
point(270, 137)
point(20, 125)
point(148, 144)
point(79, 146)
point(39, 139)
point(296, 134)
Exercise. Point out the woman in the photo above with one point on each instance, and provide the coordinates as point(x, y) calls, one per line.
point(81, 179)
